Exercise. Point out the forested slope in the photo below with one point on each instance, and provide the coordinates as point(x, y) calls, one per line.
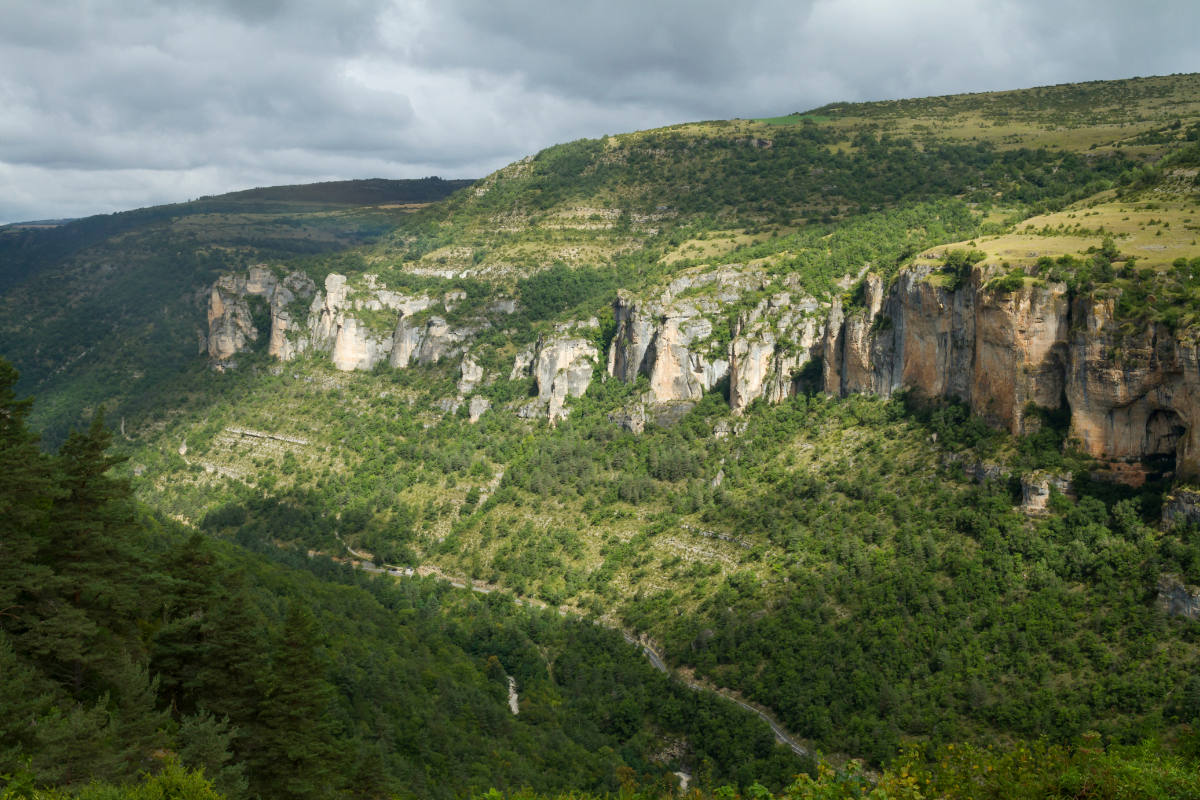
point(608, 380)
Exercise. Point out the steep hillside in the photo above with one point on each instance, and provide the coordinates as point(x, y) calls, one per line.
point(878, 418)
point(103, 309)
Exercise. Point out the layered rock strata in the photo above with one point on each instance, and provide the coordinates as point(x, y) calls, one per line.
point(342, 321)
point(560, 368)
point(1131, 393)
point(1178, 598)
point(671, 339)
point(230, 326)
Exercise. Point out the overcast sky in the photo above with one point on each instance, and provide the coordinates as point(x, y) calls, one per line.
point(107, 105)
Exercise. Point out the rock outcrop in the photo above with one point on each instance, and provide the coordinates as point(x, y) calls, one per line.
point(1178, 598)
point(1036, 486)
point(769, 345)
point(670, 339)
point(230, 325)
point(1130, 394)
point(343, 321)
point(427, 343)
point(1182, 506)
point(479, 405)
point(471, 375)
point(561, 368)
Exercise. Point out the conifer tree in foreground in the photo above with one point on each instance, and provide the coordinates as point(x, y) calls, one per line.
point(299, 750)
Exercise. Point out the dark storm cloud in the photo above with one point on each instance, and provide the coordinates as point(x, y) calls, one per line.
point(110, 105)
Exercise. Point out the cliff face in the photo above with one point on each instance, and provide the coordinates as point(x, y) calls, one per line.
point(1132, 392)
point(561, 367)
point(336, 321)
point(1130, 395)
point(670, 339)
point(230, 328)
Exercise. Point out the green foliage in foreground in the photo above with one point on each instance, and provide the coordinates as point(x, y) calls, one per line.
point(287, 676)
point(1017, 772)
point(1085, 769)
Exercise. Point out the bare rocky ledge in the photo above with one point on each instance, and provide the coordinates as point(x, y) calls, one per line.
point(1130, 395)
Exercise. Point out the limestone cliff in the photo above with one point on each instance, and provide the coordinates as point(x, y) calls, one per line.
point(670, 339)
point(1178, 598)
point(428, 342)
point(769, 344)
point(561, 367)
point(1131, 394)
point(339, 321)
point(230, 327)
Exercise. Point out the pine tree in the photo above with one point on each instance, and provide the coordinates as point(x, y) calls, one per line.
point(26, 490)
point(23, 696)
point(190, 598)
point(82, 618)
point(138, 727)
point(204, 742)
point(299, 747)
point(228, 681)
point(75, 744)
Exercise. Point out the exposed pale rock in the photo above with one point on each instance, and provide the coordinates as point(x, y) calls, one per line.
point(452, 299)
point(1182, 505)
point(1036, 486)
point(523, 363)
point(562, 368)
point(668, 339)
point(406, 342)
point(471, 375)
point(1130, 395)
point(635, 416)
point(725, 427)
point(440, 341)
point(479, 405)
point(229, 325)
point(326, 314)
point(427, 343)
point(763, 365)
point(1178, 598)
point(355, 346)
point(230, 328)
point(1134, 395)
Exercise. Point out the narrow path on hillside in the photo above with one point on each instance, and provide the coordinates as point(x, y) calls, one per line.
point(782, 736)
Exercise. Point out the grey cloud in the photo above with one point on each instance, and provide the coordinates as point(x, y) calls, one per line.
point(111, 104)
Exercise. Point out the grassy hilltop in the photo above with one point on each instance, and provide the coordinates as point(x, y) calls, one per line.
point(825, 560)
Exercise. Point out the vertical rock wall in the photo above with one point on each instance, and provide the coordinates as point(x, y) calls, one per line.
point(1130, 395)
point(230, 328)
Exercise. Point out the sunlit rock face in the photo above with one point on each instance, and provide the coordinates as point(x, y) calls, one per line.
point(672, 338)
point(1130, 395)
point(230, 327)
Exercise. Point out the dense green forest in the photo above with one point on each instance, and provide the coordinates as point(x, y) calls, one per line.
point(285, 675)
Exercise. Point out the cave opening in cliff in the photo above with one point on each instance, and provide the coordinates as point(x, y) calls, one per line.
point(1164, 429)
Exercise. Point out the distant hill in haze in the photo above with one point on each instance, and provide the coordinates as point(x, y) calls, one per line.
point(371, 191)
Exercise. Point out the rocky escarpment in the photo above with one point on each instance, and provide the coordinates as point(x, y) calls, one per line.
point(1178, 598)
point(1131, 393)
point(672, 339)
point(343, 321)
point(561, 367)
point(231, 329)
